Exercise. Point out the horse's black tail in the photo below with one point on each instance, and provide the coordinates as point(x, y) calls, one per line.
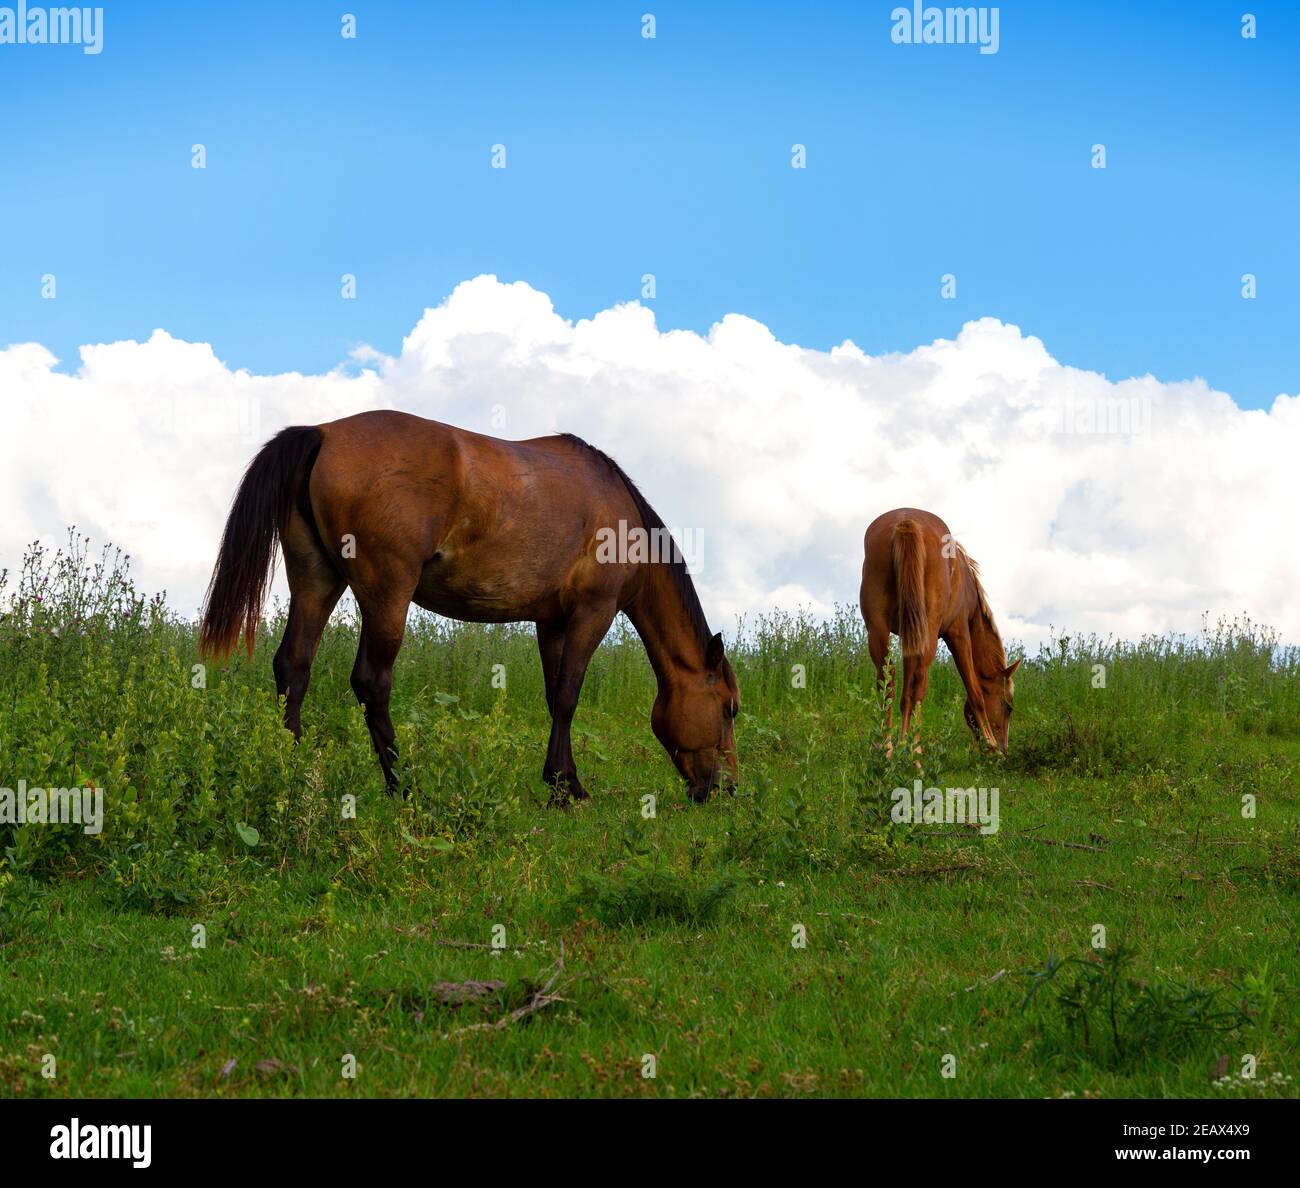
point(242, 573)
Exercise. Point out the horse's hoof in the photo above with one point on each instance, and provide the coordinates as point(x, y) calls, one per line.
point(566, 802)
point(568, 791)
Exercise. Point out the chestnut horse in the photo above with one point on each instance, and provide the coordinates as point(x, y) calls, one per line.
point(919, 583)
point(400, 509)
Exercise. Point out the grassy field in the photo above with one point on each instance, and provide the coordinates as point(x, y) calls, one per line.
point(234, 931)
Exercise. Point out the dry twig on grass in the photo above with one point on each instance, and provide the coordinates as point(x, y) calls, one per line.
point(997, 977)
point(460, 944)
point(1048, 841)
point(540, 999)
point(454, 994)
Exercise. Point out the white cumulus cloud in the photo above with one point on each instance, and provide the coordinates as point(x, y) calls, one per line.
point(1122, 508)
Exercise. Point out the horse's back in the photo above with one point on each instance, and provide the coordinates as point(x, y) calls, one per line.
point(484, 529)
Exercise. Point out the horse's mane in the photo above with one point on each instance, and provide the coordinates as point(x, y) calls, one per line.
point(981, 599)
point(651, 522)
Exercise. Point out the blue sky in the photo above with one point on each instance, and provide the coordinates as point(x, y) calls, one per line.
point(626, 156)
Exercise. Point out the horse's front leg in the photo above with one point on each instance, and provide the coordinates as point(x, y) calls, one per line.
point(959, 644)
point(583, 631)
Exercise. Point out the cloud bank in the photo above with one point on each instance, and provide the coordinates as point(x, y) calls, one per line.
point(1122, 508)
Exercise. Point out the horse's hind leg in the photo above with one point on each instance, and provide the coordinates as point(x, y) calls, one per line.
point(916, 683)
point(878, 646)
point(314, 590)
point(383, 624)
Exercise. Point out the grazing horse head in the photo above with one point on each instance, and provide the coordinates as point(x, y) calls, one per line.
point(693, 718)
point(999, 690)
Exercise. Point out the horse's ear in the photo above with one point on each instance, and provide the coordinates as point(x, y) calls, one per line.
point(713, 654)
point(1010, 672)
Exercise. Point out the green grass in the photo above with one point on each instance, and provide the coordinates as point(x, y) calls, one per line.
point(667, 935)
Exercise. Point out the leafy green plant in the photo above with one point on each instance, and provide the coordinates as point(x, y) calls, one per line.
point(465, 770)
point(642, 889)
point(1095, 1011)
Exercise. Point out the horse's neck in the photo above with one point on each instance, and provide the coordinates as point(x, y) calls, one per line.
point(664, 626)
point(986, 644)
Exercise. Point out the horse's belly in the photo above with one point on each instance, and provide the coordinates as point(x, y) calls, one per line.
point(482, 595)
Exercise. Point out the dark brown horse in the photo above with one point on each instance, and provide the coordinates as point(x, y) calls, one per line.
point(918, 582)
point(400, 509)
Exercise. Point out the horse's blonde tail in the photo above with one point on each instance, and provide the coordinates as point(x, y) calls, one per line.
point(909, 572)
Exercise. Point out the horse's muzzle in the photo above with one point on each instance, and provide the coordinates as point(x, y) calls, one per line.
point(700, 792)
